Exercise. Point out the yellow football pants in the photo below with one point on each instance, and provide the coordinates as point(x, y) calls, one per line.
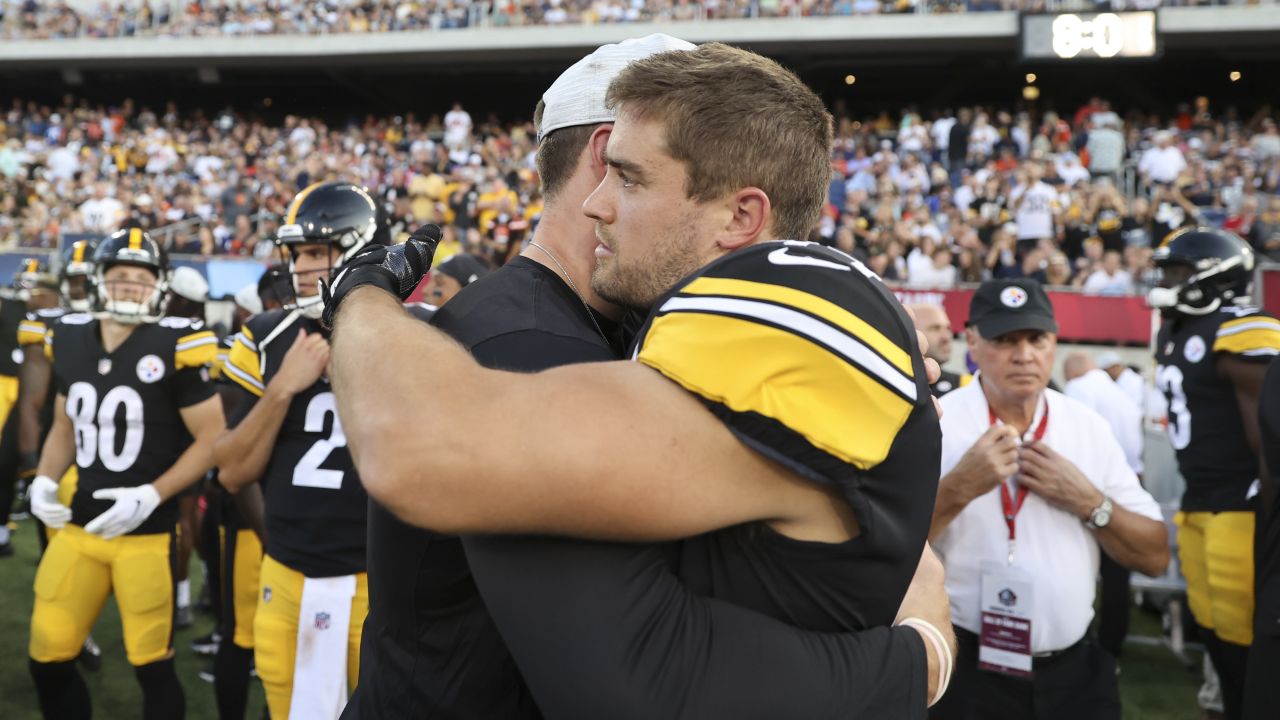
point(1216, 552)
point(242, 565)
point(78, 571)
point(275, 632)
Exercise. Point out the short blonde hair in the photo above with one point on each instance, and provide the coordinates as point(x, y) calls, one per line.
point(736, 119)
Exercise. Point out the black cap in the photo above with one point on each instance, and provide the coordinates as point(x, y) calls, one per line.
point(1003, 306)
point(464, 268)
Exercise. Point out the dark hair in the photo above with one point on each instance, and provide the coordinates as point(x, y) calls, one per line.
point(558, 153)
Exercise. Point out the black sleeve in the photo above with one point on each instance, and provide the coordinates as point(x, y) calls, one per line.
point(608, 630)
point(191, 386)
point(238, 402)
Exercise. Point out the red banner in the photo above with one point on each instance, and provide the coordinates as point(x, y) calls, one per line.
point(1081, 318)
point(1269, 289)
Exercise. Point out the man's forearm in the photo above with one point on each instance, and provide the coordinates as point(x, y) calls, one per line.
point(190, 466)
point(242, 452)
point(949, 504)
point(33, 388)
point(59, 450)
point(1135, 542)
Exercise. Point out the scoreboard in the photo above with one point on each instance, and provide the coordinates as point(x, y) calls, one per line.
point(1089, 36)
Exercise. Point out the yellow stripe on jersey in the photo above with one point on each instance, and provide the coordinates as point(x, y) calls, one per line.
point(1256, 335)
point(835, 405)
point(195, 350)
point(48, 345)
point(242, 363)
point(135, 239)
point(218, 368)
point(31, 332)
point(291, 216)
point(812, 304)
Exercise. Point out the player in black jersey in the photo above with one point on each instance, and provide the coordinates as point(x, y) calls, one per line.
point(796, 351)
point(1261, 692)
point(1211, 353)
point(33, 288)
point(285, 435)
point(136, 414)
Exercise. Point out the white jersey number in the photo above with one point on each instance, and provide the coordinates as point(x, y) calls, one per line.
point(1169, 381)
point(95, 425)
point(308, 473)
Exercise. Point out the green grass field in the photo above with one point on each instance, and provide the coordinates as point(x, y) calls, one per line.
point(1153, 683)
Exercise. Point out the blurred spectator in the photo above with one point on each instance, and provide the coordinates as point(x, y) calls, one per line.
point(1109, 279)
point(1163, 163)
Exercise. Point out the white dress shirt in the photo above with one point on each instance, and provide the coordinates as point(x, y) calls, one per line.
point(1054, 547)
point(1134, 387)
point(1101, 394)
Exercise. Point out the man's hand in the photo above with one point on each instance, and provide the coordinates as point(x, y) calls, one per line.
point(303, 364)
point(1057, 480)
point(397, 269)
point(992, 458)
point(927, 600)
point(45, 505)
point(133, 506)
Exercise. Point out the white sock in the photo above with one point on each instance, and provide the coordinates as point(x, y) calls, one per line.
point(4, 534)
point(184, 593)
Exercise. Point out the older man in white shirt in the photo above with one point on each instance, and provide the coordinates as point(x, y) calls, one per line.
point(1033, 483)
point(1162, 163)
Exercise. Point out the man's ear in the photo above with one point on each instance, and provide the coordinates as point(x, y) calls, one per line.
point(750, 219)
point(595, 149)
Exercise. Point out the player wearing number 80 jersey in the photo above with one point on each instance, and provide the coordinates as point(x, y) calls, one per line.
point(1212, 352)
point(136, 414)
point(285, 434)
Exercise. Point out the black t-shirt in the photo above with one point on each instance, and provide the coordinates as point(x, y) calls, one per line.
point(430, 648)
point(1267, 620)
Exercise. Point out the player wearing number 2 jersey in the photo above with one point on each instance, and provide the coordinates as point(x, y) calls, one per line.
point(1212, 352)
point(285, 434)
point(136, 414)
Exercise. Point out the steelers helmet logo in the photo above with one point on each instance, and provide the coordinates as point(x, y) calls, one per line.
point(150, 368)
point(1013, 297)
point(1194, 349)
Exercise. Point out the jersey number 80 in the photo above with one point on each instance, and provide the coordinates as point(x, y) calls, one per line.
point(94, 424)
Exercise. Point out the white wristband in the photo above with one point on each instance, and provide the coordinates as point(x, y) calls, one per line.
point(940, 646)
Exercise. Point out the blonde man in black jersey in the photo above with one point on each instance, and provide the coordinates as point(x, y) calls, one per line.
point(788, 417)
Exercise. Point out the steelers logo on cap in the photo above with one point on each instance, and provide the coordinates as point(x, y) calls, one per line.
point(1013, 297)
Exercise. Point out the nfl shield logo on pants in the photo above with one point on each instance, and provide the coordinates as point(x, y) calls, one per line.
point(322, 621)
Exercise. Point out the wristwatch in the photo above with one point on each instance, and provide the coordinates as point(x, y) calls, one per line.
point(1099, 516)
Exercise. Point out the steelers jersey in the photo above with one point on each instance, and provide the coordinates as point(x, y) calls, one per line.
point(316, 508)
point(1204, 417)
point(12, 313)
point(808, 359)
point(124, 405)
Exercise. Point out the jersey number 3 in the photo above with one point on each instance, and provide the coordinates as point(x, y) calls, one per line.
point(308, 473)
point(95, 425)
point(1169, 380)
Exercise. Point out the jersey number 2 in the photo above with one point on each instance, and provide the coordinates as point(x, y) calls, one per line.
point(308, 472)
point(95, 425)
point(1169, 380)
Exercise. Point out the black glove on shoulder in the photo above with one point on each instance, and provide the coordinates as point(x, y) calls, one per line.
point(396, 269)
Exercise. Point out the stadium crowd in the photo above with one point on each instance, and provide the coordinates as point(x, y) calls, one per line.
point(31, 19)
point(1072, 199)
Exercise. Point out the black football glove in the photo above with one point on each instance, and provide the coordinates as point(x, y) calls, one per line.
point(396, 269)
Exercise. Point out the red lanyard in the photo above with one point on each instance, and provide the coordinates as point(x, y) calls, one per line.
point(1011, 506)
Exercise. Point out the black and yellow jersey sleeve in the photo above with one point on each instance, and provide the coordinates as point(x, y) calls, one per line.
point(195, 350)
point(243, 366)
point(799, 349)
point(218, 370)
point(1256, 334)
point(31, 330)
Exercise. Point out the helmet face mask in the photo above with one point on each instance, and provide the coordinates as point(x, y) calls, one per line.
point(1201, 270)
point(135, 249)
point(342, 216)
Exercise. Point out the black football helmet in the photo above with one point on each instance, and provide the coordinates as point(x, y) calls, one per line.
point(1202, 269)
point(338, 214)
point(31, 275)
point(130, 246)
point(77, 262)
